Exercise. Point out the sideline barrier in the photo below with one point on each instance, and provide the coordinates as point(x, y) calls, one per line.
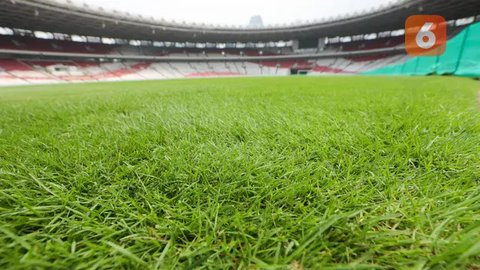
point(462, 58)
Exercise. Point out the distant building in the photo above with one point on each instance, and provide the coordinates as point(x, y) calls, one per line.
point(256, 22)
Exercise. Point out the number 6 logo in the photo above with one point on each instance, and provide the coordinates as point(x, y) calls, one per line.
point(425, 35)
point(426, 39)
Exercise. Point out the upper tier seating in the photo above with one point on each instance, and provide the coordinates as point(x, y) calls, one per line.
point(35, 44)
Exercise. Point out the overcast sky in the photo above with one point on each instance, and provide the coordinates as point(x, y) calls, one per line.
point(237, 12)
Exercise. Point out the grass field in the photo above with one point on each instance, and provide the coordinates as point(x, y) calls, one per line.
point(252, 173)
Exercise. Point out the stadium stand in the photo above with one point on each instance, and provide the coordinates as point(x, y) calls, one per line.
point(74, 49)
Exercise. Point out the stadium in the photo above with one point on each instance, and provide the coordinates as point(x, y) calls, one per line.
point(136, 142)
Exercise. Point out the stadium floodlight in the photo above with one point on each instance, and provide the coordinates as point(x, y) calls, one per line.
point(78, 38)
point(6, 31)
point(108, 40)
point(464, 21)
point(399, 32)
point(370, 36)
point(43, 35)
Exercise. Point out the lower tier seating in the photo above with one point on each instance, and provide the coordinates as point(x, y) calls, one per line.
point(18, 71)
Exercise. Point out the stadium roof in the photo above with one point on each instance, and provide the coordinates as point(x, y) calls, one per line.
point(53, 16)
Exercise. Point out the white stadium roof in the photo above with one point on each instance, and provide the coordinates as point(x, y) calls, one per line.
point(69, 18)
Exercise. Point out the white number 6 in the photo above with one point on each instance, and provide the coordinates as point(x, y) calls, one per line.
point(425, 32)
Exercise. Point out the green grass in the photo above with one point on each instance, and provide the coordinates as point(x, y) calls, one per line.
point(278, 173)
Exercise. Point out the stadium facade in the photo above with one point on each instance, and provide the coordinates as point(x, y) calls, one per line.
point(45, 41)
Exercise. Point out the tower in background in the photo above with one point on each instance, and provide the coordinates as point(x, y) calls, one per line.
point(256, 22)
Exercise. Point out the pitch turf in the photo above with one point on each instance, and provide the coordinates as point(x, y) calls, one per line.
point(280, 173)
